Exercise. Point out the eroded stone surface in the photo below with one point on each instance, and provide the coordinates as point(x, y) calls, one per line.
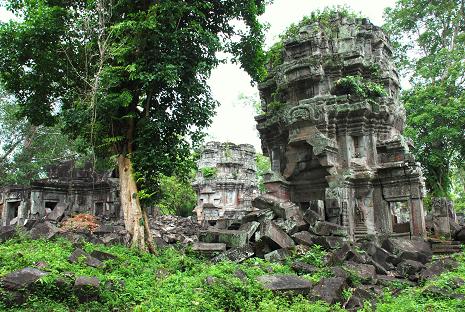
point(285, 283)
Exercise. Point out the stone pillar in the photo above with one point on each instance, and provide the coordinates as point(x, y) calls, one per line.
point(417, 218)
point(440, 209)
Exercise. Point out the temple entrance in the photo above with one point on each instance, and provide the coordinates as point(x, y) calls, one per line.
point(400, 217)
point(12, 212)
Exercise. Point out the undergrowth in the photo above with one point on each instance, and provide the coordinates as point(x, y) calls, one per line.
point(179, 280)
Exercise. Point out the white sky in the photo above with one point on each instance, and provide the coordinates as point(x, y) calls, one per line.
point(234, 121)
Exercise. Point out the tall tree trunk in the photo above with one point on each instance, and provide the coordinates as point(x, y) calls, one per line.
point(135, 219)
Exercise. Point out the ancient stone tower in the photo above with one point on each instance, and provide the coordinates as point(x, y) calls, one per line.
point(226, 181)
point(336, 145)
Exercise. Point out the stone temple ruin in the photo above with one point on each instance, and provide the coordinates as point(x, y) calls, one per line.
point(66, 190)
point(341, 155)
point(226, 182)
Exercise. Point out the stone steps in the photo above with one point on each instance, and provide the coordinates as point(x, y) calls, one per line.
point(360, 231)
point(445, 247)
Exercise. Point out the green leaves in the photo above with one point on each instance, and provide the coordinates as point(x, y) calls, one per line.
point(429, 37)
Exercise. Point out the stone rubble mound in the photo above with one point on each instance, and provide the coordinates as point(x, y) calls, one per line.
point(278, 229)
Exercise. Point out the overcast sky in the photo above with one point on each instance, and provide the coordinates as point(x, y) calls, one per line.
point(234, 122)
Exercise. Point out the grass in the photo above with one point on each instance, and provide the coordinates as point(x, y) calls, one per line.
point(175, 280)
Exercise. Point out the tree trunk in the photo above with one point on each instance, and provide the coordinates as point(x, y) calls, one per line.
point(135, 219)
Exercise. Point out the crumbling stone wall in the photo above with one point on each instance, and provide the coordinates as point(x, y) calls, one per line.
point(332, 149)
point(226, 181)
point(65, 191)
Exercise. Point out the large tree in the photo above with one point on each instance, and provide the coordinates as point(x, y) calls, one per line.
point(129, 76)
point(429, 40)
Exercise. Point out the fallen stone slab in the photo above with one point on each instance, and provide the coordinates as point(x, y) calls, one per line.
point(381, 256)
point(359, 296)
point(277, 255)
point(264, 201)
point(408, 268)
point(7, 232)
point(208, 248)
point(330, 290)
point(58, 213)
point(324, 228)
point(345, 253)
point(285, 283)
point(87, 288)
point(303, 268)
point(312, 217)
point(303, 238)
point(44, 230)
point(460, 235)
point(329, 242)
point(274, 234)
point(259, 216)
point(366, 272)
point(105, 229)
point(102, 256)
point(238, 254)
point(22, 279)
point(286, 210)
point(78, 254)
point(406, 249)
point(291, 225)
point(250, 227)
point(232, 238)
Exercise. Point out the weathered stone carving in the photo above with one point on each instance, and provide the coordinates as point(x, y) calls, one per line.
point(66, 190)
point(343, 150)
point(227, 192)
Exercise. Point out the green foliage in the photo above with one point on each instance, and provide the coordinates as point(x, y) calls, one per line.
point(176, 196)
point(319, 18)
point(263, 166)
point(26, 150)
point(209, 172)
point(176, 280)
point(172, 280)
point(359, 86)
point(429, 37)
point(127, 77)
point(315, 256)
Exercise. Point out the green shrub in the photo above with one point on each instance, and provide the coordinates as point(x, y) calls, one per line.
point(209, 172)
point(358, 86)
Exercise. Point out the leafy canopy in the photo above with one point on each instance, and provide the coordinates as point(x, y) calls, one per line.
point(128, 77)
point(429, 40)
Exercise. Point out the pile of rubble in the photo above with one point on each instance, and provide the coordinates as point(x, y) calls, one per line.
point(166, 230)
point(279, 229)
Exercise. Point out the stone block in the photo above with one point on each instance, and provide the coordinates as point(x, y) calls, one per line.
point(44, 230)
point(249, 227)
point(237, 254)
point(366, 272)
point(324, 228)
point(102, 256)
point(87, 288)
point(405, 249)
point(409, 267)
point(21, 279)
point(311, 217)
point(303, 268)
point(277, 255)
point(208, 247)
point(330, 290)
point(232, 238)
point(285, 283)
point(291, 226)
point(264, 201)
point(303, 238)
point(259, 216)
point(7, 232)
point(274, 234)
point(88, 259)
point(57, 214)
